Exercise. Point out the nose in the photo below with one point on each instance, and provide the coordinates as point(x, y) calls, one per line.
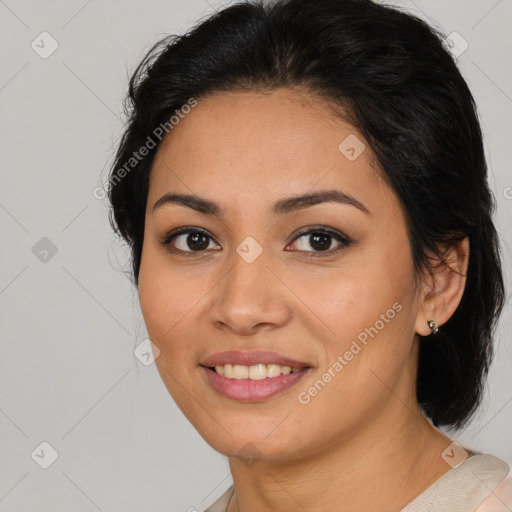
point(251, 297)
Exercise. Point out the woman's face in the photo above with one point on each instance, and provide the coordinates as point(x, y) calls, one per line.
point(252, 280)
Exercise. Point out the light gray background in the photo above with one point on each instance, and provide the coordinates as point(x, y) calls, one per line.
point(68, 374)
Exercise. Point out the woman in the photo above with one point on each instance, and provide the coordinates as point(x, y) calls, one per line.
point(304, 191)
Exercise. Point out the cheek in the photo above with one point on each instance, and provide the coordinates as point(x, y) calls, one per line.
point(166, 309)
point(365, 316)
point(172, 302)
point(351, 297)
point(161, 304)
point(161, 295)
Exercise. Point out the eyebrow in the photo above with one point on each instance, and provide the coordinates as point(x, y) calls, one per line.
point(281, 207)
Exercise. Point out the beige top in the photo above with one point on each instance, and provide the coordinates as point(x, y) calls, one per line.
point(481, 483)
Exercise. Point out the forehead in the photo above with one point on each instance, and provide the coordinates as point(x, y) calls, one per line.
point(242, 147)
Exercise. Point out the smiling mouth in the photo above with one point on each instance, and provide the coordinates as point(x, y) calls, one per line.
point(254, 372)
point(253, 383)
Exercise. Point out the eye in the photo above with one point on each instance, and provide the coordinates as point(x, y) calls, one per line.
point(196, 239)
point(320, 239)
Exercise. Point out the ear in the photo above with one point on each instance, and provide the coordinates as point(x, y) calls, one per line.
point(441, 296)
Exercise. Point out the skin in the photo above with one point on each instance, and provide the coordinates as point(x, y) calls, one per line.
point(361, 443)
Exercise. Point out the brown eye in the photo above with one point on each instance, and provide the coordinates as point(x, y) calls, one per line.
point(194, 241)
point(187, 241)
point(321, 241)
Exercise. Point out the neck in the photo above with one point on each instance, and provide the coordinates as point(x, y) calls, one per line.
point(383, 467)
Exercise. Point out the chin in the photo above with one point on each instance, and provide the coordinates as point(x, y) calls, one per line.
point(252, 446)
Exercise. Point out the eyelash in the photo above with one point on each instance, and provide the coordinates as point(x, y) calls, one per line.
point(343, 239)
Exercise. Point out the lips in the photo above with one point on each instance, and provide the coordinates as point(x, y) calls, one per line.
point(250, 358)
point(250, 391)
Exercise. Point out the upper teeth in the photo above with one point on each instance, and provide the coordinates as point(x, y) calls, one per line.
point(255, 372)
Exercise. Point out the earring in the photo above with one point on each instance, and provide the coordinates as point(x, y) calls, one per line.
point(433, 326)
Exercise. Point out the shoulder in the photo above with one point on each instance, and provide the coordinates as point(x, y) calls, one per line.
point(500, 499)
point(481, 480)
